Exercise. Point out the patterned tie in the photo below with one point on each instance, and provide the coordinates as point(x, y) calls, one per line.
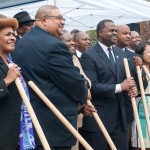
point(111, 58)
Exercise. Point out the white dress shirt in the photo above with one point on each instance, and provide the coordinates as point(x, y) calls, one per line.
point(105, 49)
point(78, 53)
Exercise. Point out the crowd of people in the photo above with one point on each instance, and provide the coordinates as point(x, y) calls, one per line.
point(70, 72)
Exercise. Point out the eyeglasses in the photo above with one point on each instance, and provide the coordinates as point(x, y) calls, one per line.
point(56, 17)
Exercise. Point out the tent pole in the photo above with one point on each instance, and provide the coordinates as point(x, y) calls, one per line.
point(56, 3)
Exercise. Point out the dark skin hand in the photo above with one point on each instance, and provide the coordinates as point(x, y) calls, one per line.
point(127, 84)
point(12, 74)
point(133, 92)
point(138, 61)
point(88, 109)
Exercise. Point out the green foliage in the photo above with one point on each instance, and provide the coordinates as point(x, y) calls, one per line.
point(93, 36)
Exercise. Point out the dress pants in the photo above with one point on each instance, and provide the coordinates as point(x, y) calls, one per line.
point(97, 141)
point(129, 136)
point(53, 148)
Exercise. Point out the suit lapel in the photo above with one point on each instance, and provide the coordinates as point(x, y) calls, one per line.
point(105, 58)
point(119, 56)
point(3, 66)
point(118, 62)
point(128, 54)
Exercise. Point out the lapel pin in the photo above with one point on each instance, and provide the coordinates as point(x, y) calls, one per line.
point(117, 56)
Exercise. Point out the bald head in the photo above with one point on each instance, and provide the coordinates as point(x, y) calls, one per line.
point(122, 27)
point(62, 37)
point(82, 41)
point(79, 34)
point(134, 34)
point(123, 38)
point(135, 40)
point(50, 18)
point(67, 38)
point(44, 11)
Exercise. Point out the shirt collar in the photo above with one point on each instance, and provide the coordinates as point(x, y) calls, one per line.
point(124, 49)
point(104, 47)
point(78, 53)
point(131, 50)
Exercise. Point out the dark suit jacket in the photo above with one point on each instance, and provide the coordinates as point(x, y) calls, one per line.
point(10, 108)
point(128, 103)
point(130, 55)
point(129, 109)
point(110, 106)
point(46, 61)
point(3, 89)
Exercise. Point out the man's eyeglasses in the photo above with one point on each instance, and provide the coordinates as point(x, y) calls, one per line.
point(56, 17)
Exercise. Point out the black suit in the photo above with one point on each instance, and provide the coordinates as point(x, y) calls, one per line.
point(10, 108)
point(129, 55)
point(128, 104)
point(46, 61)
point(110, 106)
